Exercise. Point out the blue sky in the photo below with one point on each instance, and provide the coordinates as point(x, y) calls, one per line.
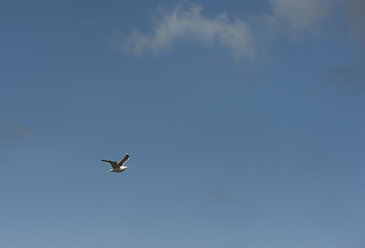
point(244, 121)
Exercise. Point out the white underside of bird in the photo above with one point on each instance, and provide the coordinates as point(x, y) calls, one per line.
point(119, 169)
point(118, 166)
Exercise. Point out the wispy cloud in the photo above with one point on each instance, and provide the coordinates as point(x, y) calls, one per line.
point(242, 37)
point(13, 131)
point(221, 196)
point(355, 10)
point(349, 76)
point(18, 129)
point(298, 15)
point(190, 24)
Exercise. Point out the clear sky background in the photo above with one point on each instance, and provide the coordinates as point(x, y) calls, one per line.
point(244, 121)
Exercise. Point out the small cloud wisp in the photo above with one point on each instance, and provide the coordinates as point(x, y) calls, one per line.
point(190, 24)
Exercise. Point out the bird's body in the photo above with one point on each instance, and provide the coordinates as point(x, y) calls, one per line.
point(118, 166)
point(120, 169)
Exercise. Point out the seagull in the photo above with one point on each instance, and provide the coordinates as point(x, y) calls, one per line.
point(118, 166)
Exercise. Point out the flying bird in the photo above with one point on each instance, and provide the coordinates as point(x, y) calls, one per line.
point(118, 166)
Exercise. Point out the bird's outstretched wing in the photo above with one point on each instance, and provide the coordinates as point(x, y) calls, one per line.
point(114, 164)
point(125, 159)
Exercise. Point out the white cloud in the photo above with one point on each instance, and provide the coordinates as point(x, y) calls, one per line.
point(241, 37)
point(190, 24)
point(299, 15)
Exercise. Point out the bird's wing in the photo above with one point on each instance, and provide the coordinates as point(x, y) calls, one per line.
point(125, 159)
point(114, 164)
